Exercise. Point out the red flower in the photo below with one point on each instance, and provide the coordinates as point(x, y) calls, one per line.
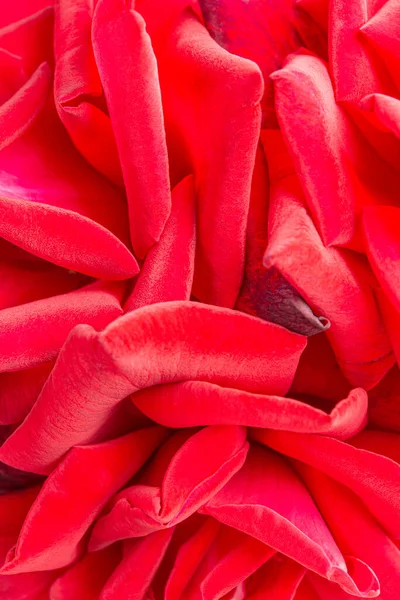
point(200, 307)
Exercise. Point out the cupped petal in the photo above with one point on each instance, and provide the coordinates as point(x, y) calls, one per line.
point(162, 343)
point(344, 295)
point(267, 500)
point(140, 509)
point(72, 497)
point(78, 91)
point(65, 238)
point(133, 576)
point(194, 403)
point(373, 477)
point(167, 272)
point(133, 98)
point(86, 578)
point(33, 333)
point(364, 539)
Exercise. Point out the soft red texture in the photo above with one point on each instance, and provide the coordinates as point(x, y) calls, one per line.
point(199, 303)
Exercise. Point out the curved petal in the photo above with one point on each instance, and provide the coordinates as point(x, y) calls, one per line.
point(103, 369)
point(72, 497)
point(194, 403)
point(211, 102)
point(77, 88)
point(19, 391)
point(33, 333)
point(265, 499)
point(373, 477)
point(133, 98)
point(278, 579)
point(140, 509)
point(65, 238)
point(384, 405)
point(167, 272)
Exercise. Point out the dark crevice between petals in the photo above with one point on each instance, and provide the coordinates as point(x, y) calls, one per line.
point(269, 296)
point(12, 479)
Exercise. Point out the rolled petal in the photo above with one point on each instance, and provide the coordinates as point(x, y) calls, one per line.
point(133, 97)
point(194, 403)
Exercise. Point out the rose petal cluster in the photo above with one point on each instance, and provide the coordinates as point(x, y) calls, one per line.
point(200, 305)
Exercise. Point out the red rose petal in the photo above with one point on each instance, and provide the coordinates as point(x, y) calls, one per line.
point(180, 339)
point(18, 113)
point(373, 477)
point(86, 578)
point(278, 579)
point(345, 294)
point(19, 391)
point(140, 509)
point(194, 403)
point(265, 499)
point(33, 333)
point(134, 100)
point(78, 91)
point(363, 539)
point(65, 238)
point(167, 272)
point(73, 495)
point(211, 100)
point(133, 576)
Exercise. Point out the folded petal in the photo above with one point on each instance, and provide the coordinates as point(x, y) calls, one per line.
point(345, 295)
point(78, 91)
point(373, 477)
point(260, 31)
point(167, 272)
point(355, 70)
point(140, 509)
point(73, 495)
point(337, 170)
point(133, 97)
point(33, 333)
point(194, 403)
point(158, 344)
point(20, 10)
point(133, 576)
